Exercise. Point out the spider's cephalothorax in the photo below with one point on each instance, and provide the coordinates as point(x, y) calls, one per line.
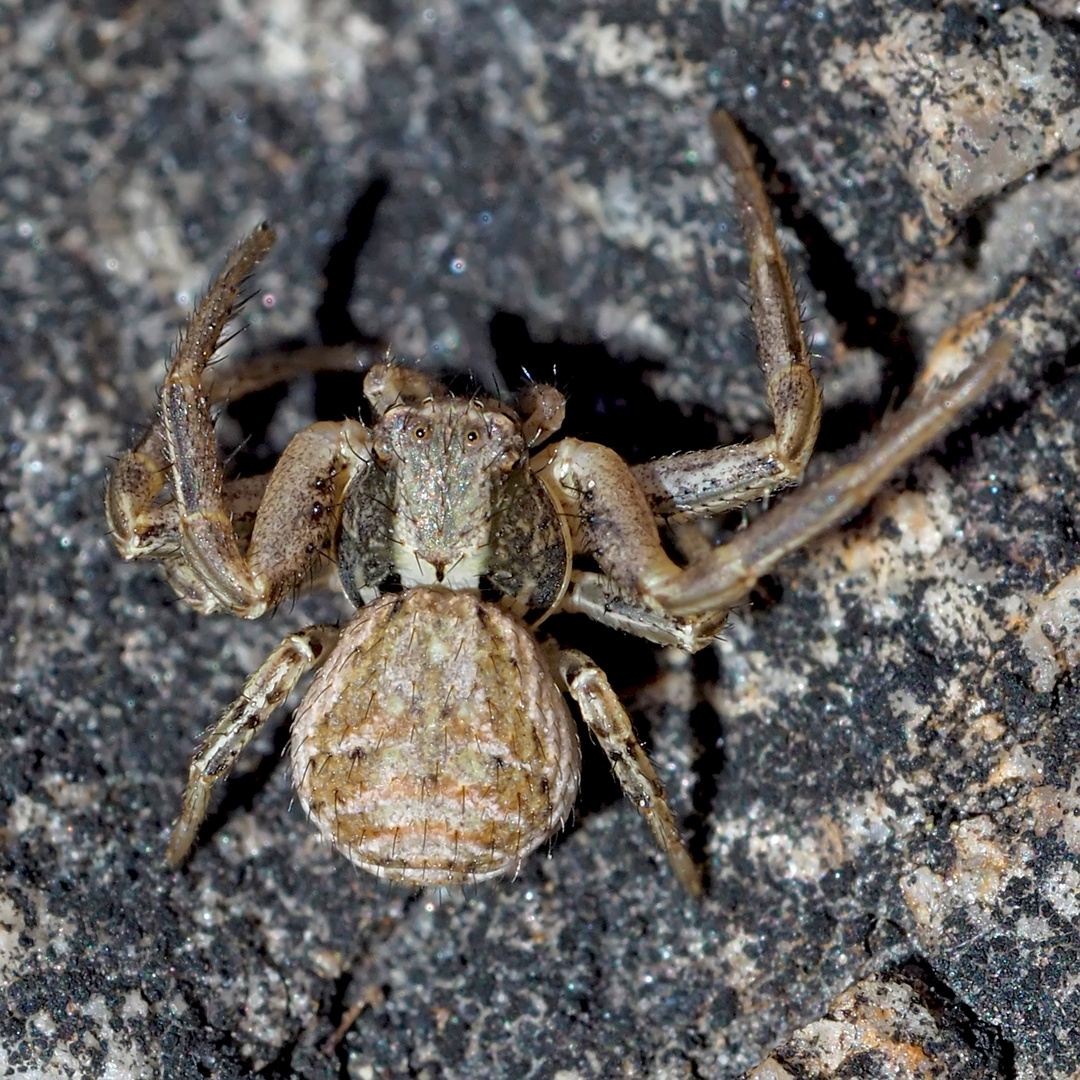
point(435, 745)
point(446, 497)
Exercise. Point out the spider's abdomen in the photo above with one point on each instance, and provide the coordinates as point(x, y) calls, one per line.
point(434, 747)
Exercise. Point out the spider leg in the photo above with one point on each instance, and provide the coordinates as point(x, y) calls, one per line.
point(217, 753)
point(226, 382)
point(598, 597)
point(216, 557)
point(640, 589)
point(282, 523)
point(612, 508)
point(296, 527)
point(142, 526)
point(725, 576)
point(610, 519)
point(710, 481)
point(609, 722)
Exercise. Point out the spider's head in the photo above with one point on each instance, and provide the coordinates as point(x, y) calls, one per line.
point(446, 461)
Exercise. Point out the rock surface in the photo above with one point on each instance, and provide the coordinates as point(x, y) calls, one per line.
point(879, 762)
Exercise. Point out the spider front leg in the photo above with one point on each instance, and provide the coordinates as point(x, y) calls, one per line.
point(277, 532)
point(711, 481)
point(611, 520)
point(219, 750)
point(640, 589)
point(726, 575)
point(612, 508)
point(200, 534)
point(616, 506)
point(609, 722)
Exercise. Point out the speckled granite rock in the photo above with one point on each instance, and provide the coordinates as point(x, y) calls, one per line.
point(893, 1023)
point(897, 765)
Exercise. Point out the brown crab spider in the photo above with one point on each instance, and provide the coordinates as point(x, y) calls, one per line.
point(435, 745)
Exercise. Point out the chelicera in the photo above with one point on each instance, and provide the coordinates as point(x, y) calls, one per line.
point(435, 745)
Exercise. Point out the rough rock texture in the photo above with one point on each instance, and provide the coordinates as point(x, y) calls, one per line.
point(880, 760)
point(892, 1024)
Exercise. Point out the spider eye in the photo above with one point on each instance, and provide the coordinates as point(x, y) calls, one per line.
point(472, 435)
point(420, 432)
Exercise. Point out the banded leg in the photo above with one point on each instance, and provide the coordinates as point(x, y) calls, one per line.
point(207, 560)
point(727, 574)
point(710, 481)
point(609, 722)
point(596, 596)
point(609, 519)
point(281, 527)
point(217, 753)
